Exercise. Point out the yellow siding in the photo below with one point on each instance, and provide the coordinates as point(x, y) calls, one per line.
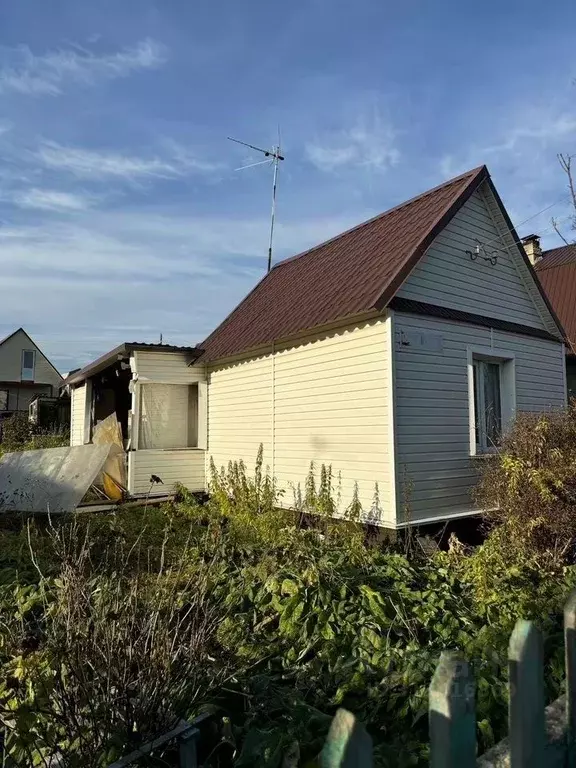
point(322, 399)
point(184, 466)
point(435, 473)
point(240, 411)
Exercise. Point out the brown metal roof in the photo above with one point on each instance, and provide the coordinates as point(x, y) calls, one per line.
point(351, 274)
point(557, 273)
point(556, 257)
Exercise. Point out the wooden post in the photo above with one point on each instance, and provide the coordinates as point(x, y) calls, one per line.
point(347, 745)
point(570, 651)
point(526, 673)
point(452, 713)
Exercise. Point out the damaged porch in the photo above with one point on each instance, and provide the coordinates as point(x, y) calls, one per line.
point(158, 396)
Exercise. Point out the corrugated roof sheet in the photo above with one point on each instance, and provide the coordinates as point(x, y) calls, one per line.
point(557, 273)
point(556, 257)
point(351, 274)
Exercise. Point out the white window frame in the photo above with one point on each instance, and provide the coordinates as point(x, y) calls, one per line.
point(507, 362)
point(33, 369)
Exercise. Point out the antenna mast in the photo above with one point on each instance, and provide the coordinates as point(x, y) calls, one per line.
point(274, 157)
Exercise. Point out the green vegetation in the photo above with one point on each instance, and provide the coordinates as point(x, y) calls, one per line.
point(114, 625)
point(18, 434)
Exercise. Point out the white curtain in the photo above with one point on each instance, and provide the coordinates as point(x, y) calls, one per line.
point(164, 416)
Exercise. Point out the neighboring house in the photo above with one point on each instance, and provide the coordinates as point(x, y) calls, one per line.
point(396, 353)
point(556, 270)
point(25, 372)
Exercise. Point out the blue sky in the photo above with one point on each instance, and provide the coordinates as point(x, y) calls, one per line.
point(121, 213)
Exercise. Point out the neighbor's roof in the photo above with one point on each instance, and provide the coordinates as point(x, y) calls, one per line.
point(123, 350)
point(557, 273)
point(18, 330)
point(350, 275)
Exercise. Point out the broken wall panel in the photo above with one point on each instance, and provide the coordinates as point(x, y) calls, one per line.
point(53, 480)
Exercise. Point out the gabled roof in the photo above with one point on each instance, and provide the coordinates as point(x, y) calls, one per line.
point(352, 274)
point(31, 340)
point(7, 338)
point(556, 271)
point(123, 350)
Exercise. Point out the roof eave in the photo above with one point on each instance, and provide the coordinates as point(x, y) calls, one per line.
point(96, 366)
point(123, 350)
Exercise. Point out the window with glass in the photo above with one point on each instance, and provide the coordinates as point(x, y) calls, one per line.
point(487, 404)
point(28, 363)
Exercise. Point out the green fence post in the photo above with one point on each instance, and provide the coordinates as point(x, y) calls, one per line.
point(570, 651)
point(347, 745)
point(526, 714)
point(452, 714)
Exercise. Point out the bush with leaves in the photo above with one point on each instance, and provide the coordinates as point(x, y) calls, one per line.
point(530, 486)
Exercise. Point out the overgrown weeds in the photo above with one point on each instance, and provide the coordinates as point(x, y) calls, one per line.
point(104, 657)
point(277, 617)
point(19, 434)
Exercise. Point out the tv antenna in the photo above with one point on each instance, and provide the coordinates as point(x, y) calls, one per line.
point(273, 157)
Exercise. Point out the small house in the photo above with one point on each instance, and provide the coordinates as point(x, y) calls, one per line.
point(25, 374)
point(396, 353)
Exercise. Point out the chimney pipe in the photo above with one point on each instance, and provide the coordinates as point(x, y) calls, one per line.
point(532, 247)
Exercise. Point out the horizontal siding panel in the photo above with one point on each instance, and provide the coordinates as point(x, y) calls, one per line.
point(184, 466)
point(167, 367)
point(322, 400)
point(434, 469)
point(240, 412)
point(312, 373)
point(448, 277)
point(334, 392)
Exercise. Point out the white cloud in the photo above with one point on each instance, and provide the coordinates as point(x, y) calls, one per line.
point(370, 143)
point(52, 200)
point(519, 146)
point(122, 275)
point(28, 74)
point(97, 165)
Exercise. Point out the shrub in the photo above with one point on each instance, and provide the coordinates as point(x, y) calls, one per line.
point(531, 484)
point(16, 432)
point(19, 434)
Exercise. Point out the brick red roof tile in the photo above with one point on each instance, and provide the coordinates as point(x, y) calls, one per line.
point(351, 274)
point(557, 273)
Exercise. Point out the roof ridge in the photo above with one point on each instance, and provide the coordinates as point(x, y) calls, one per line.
point(9, 336)
point(471, 173)
point(558, 248)
point(280, 302)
